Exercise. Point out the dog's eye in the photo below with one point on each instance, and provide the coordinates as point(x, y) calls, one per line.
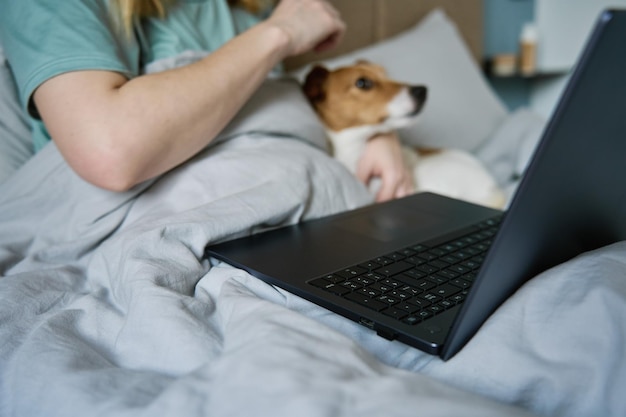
point(364, 83)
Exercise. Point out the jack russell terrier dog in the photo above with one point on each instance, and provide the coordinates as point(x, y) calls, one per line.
point(357, 102)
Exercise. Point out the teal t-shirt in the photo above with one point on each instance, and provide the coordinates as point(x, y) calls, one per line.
point(43, 38)
point(193, 25)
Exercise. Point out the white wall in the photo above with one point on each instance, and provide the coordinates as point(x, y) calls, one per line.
point(563, 27)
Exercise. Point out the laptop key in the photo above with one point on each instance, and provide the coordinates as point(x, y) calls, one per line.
point(460, 283)
point(405, 279)
point(433, 298)
point(419, 248)
point(410, 290)
point(394, 268)
point(363, 280)
point(439, 264)
point(469, 277)
point(415, 274)
point(471, 264)
point(437, 279)
point(462, 254)
point(427, 256)
point(388, 299)
point(458, 298)
point(351, 272)
point(418, 302)
point(351, 285)
point(459, 269)
point(424, 285)
point(415, 260)
point(382, 260)
point(435, 309)
point(399, 294)
point(412, 320)
point(373, 276)
point(365, 301)
point(370, 265)
point(446, 290)
point(369, 292)
point(319, 282)
point(381, 287)
point(407, 252)
point(396, 256)
point(391, 283)
point(408, 308)
point(450, 259)
point(447, 275)
point(428, 269)
point(333, 278)
point(330, 286)
point(424, 314)
point(447, 248)
point(395, 313)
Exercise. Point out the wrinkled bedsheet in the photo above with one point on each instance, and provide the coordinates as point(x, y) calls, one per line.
point(107, 306)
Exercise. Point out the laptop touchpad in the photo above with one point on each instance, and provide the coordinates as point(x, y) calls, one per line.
point(388, 225)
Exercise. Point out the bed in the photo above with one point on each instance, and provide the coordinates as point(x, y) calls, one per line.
point(108, 307)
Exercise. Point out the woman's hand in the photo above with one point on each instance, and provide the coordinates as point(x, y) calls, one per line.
point(382, 158)
point(309, 24)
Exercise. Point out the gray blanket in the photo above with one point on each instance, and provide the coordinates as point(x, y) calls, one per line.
point(107, 306)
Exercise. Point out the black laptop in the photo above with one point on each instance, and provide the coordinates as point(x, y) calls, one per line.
point(429, 270)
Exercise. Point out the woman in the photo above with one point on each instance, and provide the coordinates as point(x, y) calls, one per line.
point(78, 68)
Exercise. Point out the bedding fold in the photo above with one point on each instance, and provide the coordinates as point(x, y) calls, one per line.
point(108, 307)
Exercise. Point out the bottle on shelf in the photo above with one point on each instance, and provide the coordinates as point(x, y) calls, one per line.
point(528, 50)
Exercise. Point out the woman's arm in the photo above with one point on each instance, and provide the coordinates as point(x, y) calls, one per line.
point(116, 132)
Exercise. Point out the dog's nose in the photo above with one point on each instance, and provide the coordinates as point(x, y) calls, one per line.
point(419, 92)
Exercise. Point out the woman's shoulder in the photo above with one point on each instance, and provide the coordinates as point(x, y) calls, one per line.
point(14, 9)
point(41, 41)
point(32, 18)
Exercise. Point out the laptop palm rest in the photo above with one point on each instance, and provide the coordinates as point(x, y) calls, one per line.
point(297, 253)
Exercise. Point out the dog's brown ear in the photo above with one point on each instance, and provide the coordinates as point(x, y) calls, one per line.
point(314, 84)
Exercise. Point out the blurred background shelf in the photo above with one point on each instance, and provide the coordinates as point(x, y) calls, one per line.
point(561, 27)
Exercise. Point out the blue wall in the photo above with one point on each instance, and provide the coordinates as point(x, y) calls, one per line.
point(503, 24)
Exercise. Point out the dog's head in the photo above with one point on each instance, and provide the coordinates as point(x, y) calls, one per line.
point(360, 95)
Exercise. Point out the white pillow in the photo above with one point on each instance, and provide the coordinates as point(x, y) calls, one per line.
point(461, 110)
point(16, 145)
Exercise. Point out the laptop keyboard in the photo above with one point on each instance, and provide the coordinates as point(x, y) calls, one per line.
point(417, 282)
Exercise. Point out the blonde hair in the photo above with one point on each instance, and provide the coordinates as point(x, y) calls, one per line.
point(129, 10)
